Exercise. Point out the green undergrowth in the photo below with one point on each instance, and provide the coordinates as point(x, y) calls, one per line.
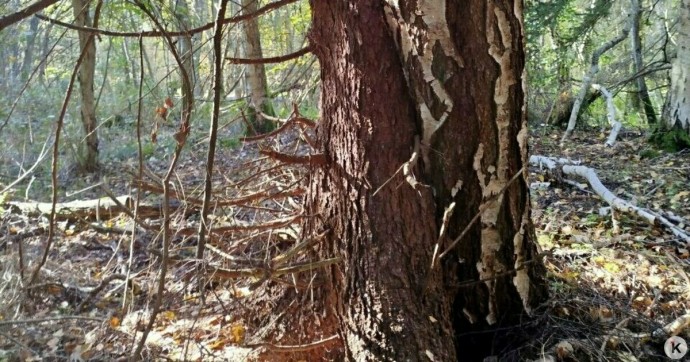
point(672, 140)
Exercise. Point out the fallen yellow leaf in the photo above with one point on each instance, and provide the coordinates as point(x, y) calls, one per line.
point(238, 333)
point(114, 322)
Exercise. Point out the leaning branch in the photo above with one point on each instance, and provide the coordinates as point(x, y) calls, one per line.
point(611, 114)
point(8, 20)
point(279, 59)
point(587, 81)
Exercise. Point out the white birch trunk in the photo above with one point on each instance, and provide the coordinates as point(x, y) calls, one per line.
point(677, 109)
point(588, 78)
point(610, 114)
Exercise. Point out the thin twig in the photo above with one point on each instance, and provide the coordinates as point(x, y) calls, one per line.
point(267, 60)
point(213, 136)
point(293, 348)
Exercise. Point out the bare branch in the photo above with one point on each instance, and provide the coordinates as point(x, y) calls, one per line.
point(316, 159)
point(279, 59)
point(159, 33)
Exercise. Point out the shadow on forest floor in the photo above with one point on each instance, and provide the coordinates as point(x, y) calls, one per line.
point(610, 289)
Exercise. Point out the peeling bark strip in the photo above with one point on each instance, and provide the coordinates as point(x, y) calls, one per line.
point(420, 36)
point(453, 80)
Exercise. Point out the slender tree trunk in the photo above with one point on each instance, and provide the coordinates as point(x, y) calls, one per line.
point(642, 92)
point(14, 53)
point(201, 10)
point(89, 163)
point(45, 50)
point(128, 64)
point(185, 46)
point(27, 65)
point(3, 66)
point(448, 74)
point(256, 73)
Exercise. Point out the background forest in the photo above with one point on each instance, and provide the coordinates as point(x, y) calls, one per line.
point(128, 158)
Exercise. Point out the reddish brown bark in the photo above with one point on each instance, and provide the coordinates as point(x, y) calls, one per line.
point(461, 93)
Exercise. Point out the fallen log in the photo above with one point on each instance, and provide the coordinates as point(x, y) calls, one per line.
point(95, 209)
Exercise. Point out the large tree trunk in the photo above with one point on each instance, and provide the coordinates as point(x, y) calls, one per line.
point(256, 73)
point(447, 73)
point(677, 108)
point(89, 161)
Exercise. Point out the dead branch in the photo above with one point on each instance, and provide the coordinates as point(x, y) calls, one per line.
point(278, 59)
point(284, 257)
point(316, 159)
point(290, 121)
point(261, 195)
point(482, 208)
point(8, 20)
point(42, 155)
point(138, 212)
point(103, 208)
point(293, 348)
point(104, 283)
point(49, 319)
point(222, 230)
point(267, 272)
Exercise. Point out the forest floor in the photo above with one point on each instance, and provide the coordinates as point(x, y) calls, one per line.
point(613, 283)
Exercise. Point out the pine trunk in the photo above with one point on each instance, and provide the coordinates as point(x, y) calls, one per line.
point(447, 76)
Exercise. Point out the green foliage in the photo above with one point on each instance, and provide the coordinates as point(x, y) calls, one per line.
point(565, 18)
point(229, 143)
point(4, 197)
point(148, 149)
point(649, 153)
point(670, 140)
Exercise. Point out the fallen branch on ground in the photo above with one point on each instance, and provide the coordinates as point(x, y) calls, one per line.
point(616, 203)
point(103, 208)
